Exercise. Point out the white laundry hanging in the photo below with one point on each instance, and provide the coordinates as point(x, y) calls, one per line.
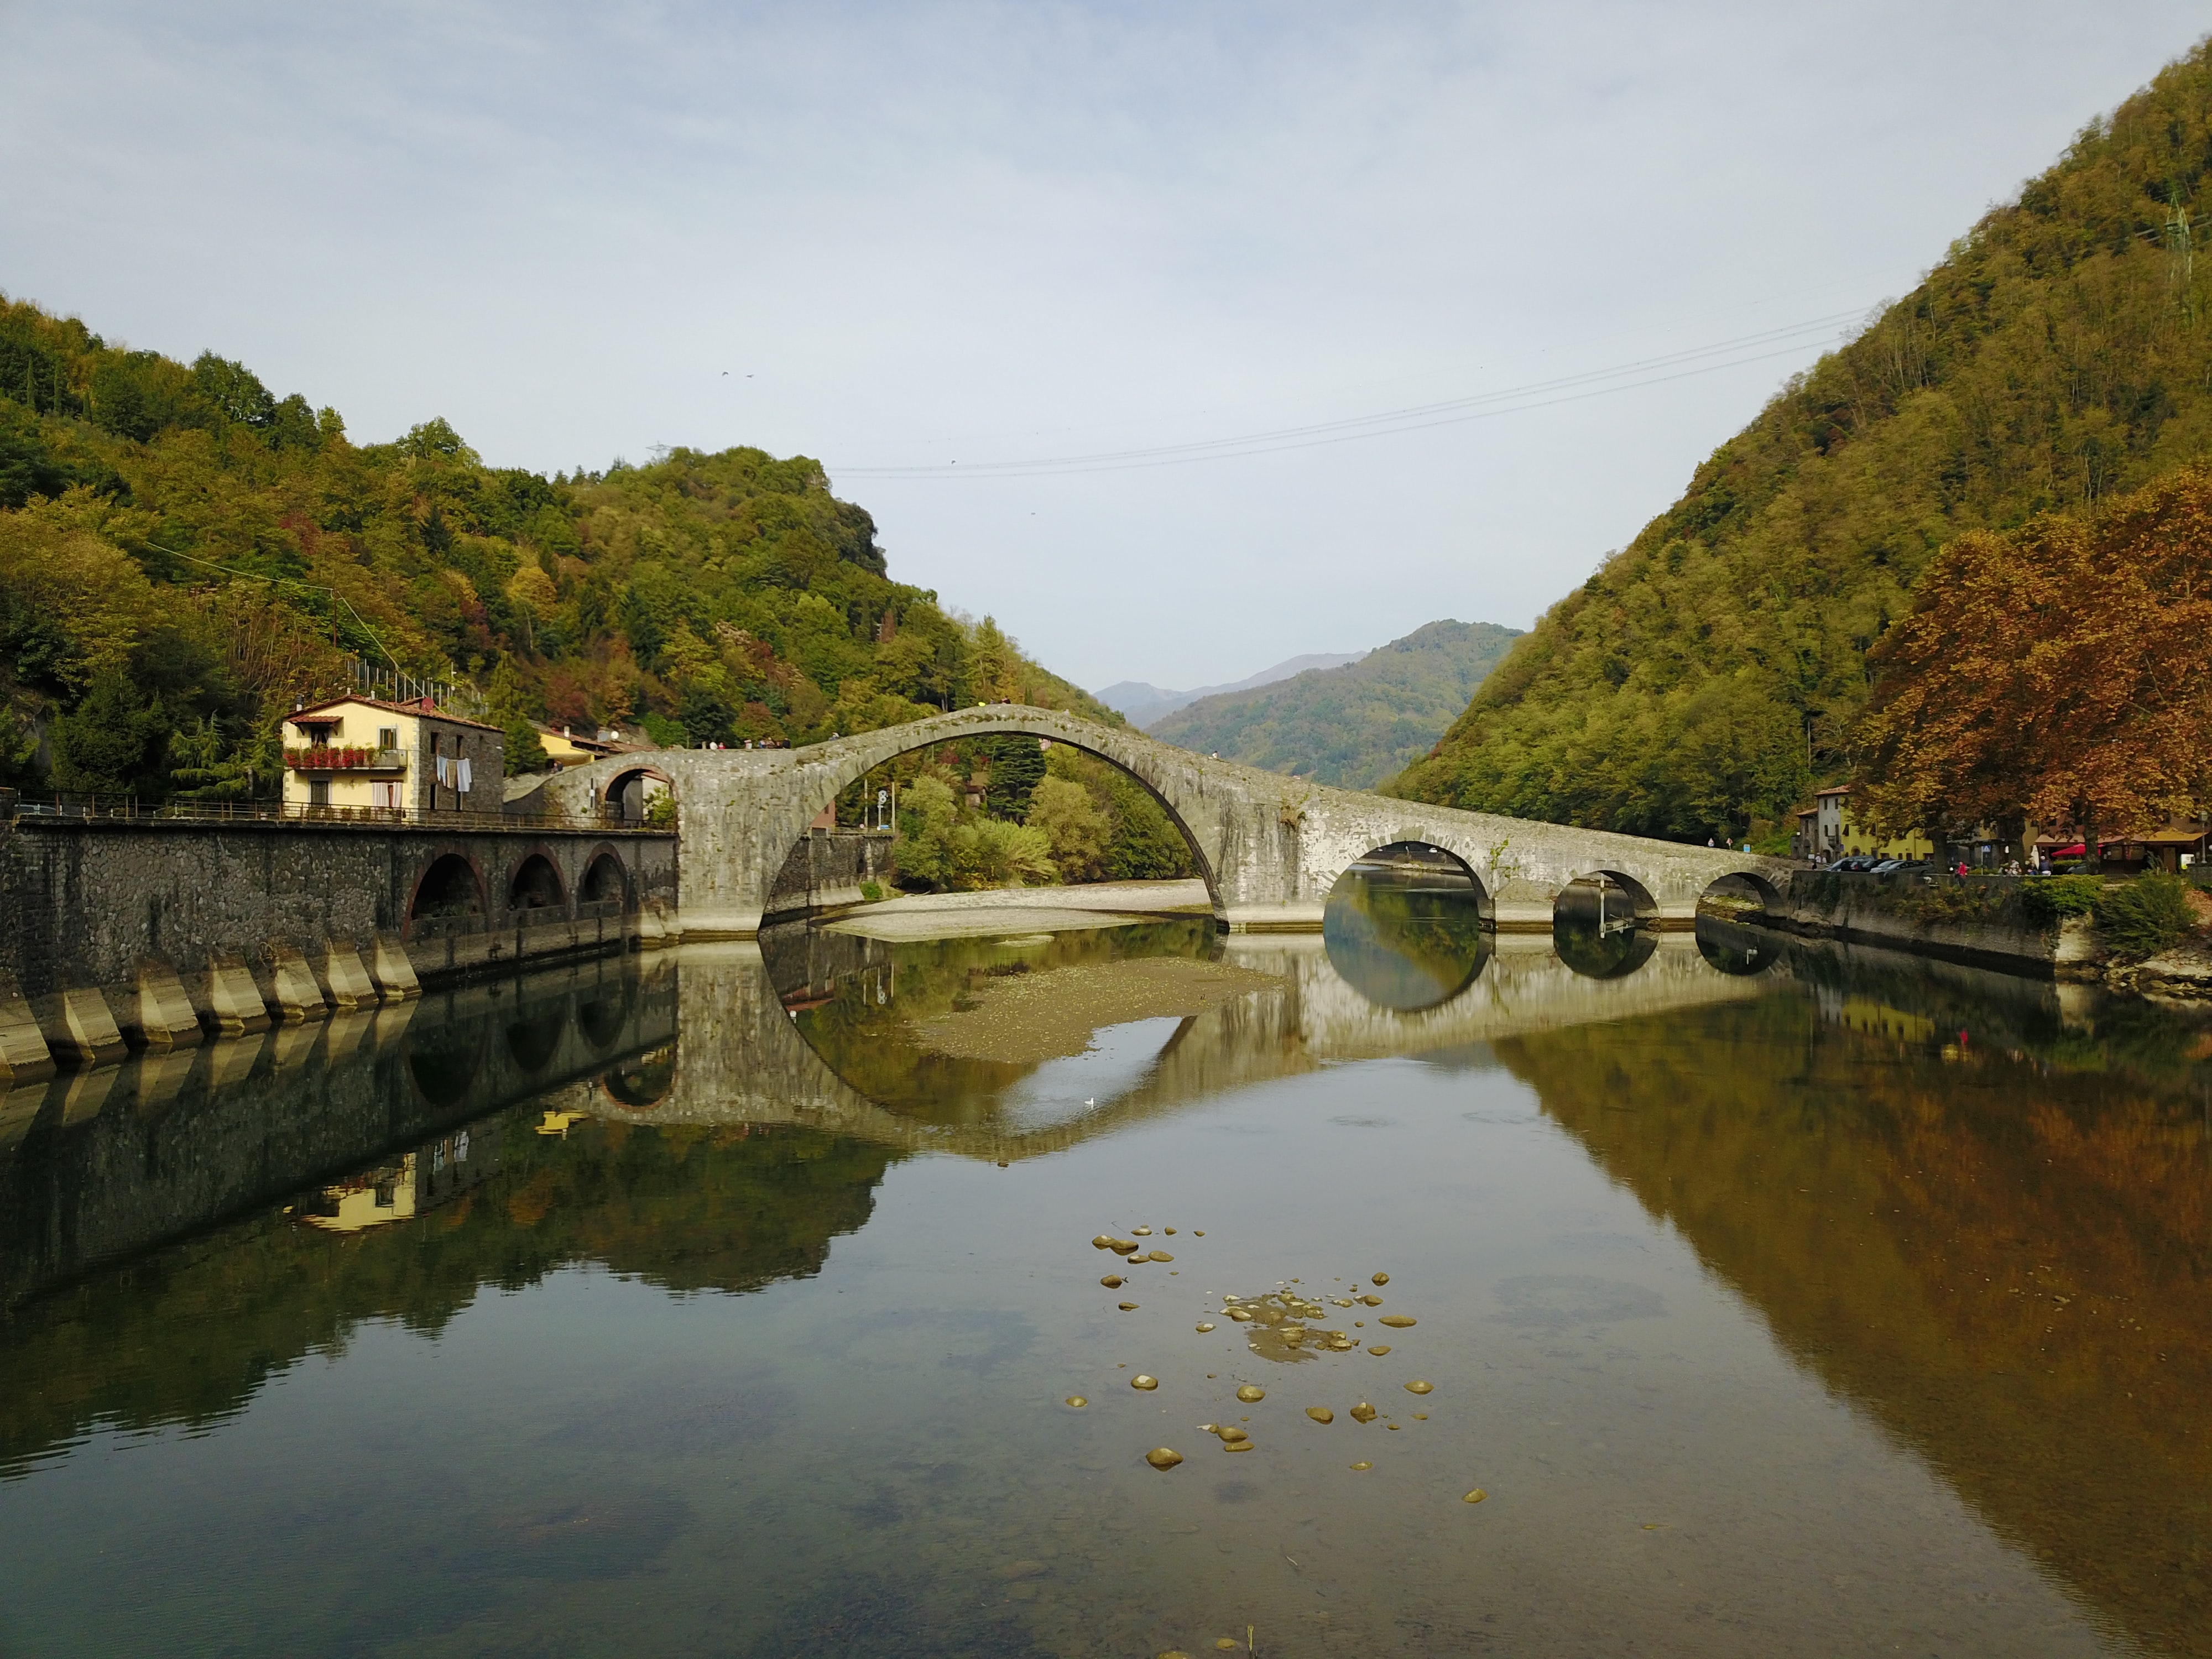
point(462, 764)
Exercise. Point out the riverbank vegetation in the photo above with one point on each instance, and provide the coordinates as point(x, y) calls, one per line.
point(1003, 811)
point(2051, 674)
point(1705, 676)
point(184, 554)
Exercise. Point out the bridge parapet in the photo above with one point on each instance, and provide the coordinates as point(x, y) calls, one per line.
point(1268, 847)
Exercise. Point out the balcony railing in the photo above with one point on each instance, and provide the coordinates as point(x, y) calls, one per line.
point(346, 759)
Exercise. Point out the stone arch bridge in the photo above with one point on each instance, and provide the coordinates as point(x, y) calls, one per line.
point(1268, 847)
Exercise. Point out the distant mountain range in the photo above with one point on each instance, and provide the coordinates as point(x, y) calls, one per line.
point(1349, 721)
point(1141, 704)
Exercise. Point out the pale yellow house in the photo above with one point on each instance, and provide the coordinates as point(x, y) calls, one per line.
point(364, 755)
point(1825, 831)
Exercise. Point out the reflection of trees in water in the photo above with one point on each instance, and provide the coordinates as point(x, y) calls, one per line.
point(1611, 952)
point(1404, 939)
point(1732, 947)
point(726, 1209)
point(872, 1046)
point(2010, 1263)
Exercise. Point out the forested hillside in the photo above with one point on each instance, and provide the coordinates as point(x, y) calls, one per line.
point(1714, 669)
point(184, 554)
point(1354, 726)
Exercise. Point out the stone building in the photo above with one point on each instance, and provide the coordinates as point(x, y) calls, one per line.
point(411, 759)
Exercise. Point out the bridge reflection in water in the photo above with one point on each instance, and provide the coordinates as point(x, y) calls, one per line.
point(1978, 1209)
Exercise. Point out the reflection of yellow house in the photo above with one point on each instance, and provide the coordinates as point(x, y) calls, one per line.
point(1879, 1019)
point(1825, 831)
point(415, 1182)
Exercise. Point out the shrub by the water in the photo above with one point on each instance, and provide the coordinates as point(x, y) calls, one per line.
point(2147, 916)
point(2050, 899)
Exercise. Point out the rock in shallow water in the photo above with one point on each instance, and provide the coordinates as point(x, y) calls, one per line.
point(1251, 1392)
point(1141, 1381)
point(1397, 1321)
point(1163, 1458)
point(1364, 1412)
point(1320, 1413)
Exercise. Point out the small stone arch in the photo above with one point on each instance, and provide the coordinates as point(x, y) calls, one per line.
point(643, 1083)
point(1604, 892)
point(450, 888)
point(1408, 926)
point(536, 885)
point(1604, 924)
point(629, 793)
point(443, 1066)
point(605, 877)
point(1729, 896)
point(531, 1043)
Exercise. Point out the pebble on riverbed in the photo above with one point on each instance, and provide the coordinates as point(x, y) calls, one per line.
point(1320, 1413)
point(1382, 1279)
point(1397, 1321)
point(1163, 1458)
point(1364, 1412)
point(1419, 1387)
point(1077, 1401)
point(1251, 1392)
point(1113, 1281)
point(1141, 1381)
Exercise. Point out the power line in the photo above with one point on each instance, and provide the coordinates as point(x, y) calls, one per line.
point(1766, 345)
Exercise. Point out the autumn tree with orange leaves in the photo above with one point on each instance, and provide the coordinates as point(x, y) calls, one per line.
point(2056, 673)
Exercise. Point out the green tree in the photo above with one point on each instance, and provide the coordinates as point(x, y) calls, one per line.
point(112, 741)
point(1074, 827)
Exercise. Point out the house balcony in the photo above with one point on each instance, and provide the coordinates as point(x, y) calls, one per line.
point(321, 762)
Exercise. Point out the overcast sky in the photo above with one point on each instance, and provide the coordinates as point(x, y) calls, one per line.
point(925, 242)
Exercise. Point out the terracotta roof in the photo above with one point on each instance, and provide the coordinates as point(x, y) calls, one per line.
point(425, 706)
point(1833, 789)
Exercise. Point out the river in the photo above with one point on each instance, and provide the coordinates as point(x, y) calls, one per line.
point(1774, 1298)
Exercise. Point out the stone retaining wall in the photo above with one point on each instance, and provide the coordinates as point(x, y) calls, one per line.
point(129, 932)
point(825, 870)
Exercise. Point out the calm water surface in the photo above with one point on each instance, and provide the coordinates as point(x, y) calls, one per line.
point(1782, 1299)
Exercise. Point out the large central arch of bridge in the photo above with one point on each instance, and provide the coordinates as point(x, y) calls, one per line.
point(1269, 847)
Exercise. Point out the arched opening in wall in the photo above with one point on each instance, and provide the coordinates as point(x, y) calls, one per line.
point(996, 809)
point(1408, 927)
point(531, 1043)
point(1603, 924)
point(450, 889)
point(640, 1084)
point(602, 1019)
point(641, 796)
point(443, 1065)
point(1733, 915)
point(605, 881)
point(536, 886)
point(1740, 896)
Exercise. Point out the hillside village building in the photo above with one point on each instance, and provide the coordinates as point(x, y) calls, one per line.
point(412, 759)
point(1825, 831)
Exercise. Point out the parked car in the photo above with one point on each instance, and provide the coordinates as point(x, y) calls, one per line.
point(1887, 865)
point(1856, 864)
